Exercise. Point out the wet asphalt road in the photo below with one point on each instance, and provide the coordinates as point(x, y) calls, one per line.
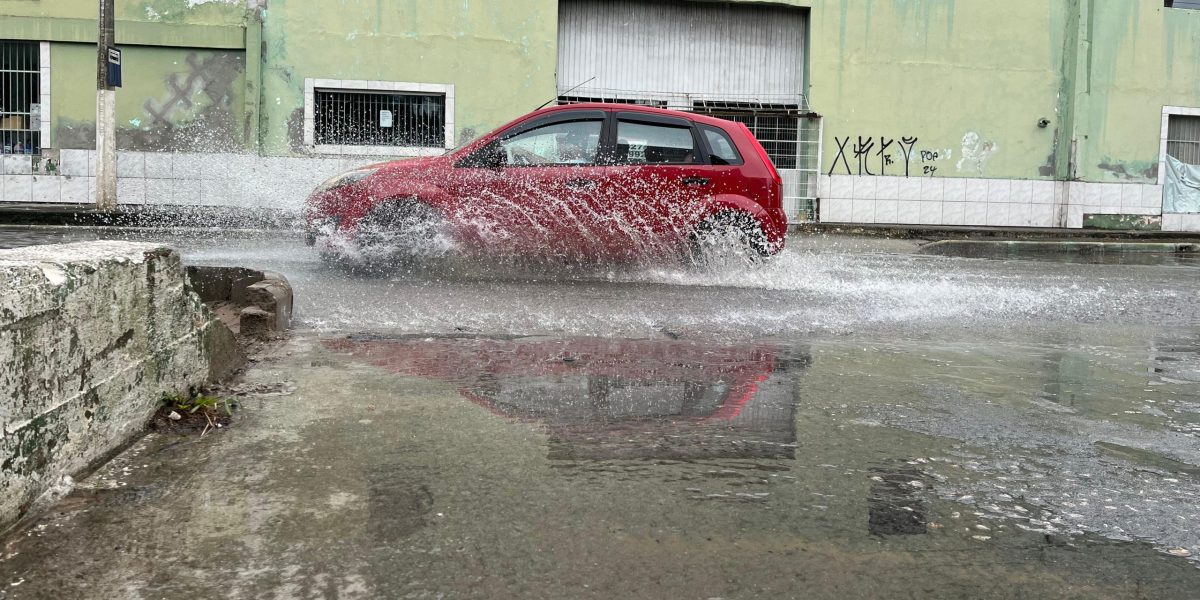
point(848, 420)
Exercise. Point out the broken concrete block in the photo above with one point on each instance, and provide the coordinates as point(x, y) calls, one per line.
point(267, 290)
point(256, 322)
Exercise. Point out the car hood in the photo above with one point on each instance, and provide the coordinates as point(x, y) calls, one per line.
point(410, 164)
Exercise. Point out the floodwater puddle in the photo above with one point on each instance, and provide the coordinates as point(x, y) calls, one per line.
point(1019, 434)
point(519, 466)
point(601, 398)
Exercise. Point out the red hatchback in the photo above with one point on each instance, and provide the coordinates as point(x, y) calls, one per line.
point(582, 181)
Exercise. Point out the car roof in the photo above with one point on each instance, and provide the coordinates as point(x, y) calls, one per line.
point(614, 106)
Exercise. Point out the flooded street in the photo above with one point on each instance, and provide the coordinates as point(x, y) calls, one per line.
point(847, 420)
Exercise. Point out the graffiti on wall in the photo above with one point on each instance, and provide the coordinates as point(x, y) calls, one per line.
point(873, 155)
point(882, 156)
point(976, 152)
point(206, 82)
point(193, 109)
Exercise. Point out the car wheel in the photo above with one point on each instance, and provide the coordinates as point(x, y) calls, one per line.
point(728, 238)
point(403, 231)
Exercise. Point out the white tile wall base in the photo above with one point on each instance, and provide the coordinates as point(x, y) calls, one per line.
point(182, 178)
point(284, 182)
point(18, 188)
point(1181, 222)
point(983, 202)
point(74, 190)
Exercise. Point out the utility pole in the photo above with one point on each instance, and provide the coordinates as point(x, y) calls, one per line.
point(106, 114)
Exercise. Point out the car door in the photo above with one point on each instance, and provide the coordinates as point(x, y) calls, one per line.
point(656, 181)
point(527, 189)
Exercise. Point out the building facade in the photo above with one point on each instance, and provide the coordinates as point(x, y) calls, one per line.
point(1034, 113)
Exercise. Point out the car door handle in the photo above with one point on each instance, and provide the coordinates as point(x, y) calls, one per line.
point(581, 183)
point(696, 181)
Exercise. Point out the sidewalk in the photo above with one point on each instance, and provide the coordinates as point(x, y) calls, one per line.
point(956, 232)
point(1028, 248)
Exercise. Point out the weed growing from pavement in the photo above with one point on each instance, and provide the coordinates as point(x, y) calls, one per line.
point(187, 412)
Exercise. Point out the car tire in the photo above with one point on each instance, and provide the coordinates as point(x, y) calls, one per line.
point(728, 238)
point(403, 231)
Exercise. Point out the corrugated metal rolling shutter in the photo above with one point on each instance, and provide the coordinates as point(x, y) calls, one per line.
point(702, 49)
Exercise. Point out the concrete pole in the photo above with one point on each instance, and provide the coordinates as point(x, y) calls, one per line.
point(106, 114)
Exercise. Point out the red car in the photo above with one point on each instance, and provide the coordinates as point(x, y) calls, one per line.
point(582, 181)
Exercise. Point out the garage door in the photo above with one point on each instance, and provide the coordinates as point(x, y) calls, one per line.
point(707, 49)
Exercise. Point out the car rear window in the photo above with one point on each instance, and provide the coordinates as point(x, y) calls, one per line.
point(653, 143)
point(722, 148)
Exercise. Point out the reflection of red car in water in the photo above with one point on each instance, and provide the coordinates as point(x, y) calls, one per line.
point(604, 398)
point(578, 181)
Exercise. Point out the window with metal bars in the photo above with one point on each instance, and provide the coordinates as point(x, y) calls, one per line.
point(1183, 138)
point(20, 89)
point(370, 118)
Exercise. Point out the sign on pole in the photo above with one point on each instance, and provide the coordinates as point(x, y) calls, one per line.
point(114, 67)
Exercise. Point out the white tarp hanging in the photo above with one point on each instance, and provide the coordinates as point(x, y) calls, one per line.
point(1182, 191)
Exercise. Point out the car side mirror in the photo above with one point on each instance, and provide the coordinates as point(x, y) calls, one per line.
point(491, 156)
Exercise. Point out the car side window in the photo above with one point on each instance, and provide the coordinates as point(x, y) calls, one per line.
point(565, 143)
point(723, 152)
point(654, 144)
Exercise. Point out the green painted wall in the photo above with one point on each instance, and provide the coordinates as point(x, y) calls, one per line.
point(499, 54)
point(967, 79)
point(173, 98)
point(1135, 57)
point(949, 72)
point(211, 12)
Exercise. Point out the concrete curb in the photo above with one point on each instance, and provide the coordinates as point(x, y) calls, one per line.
point(199, 231)
point(140, 216)
point(1019, 248)
point(949, 232)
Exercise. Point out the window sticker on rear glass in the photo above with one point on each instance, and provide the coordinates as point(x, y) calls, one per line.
point(644, 143)
point(637, 151)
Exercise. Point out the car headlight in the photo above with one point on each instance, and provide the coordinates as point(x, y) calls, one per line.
point(345, 179)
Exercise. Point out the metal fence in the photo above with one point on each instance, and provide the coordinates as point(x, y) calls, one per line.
point(20, 90)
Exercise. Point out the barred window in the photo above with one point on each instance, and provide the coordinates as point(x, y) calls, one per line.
point(371, 118)
point(1183, 139)
point(20, 90)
